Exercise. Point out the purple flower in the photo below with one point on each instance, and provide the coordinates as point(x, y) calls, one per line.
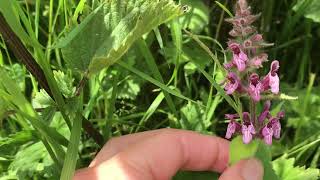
point(276, 127)
point(242, 78)
point(233, 83)
point(228, 66)
point(257, 61)
point(255, 87)
point(242, 8)
point(247, 128)
point(247, 132)
point(272, 79)
point(275, 124)
point(267, 134)
point(233, 126)
point(257, 38)
point(272, 129)
point(265, 113)
point(239, 57)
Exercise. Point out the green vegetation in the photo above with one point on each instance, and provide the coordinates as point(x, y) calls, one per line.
point(109, 68)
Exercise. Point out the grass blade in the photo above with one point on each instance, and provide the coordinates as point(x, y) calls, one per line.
point(144, 49)
point(70, 161)
point(153, 81)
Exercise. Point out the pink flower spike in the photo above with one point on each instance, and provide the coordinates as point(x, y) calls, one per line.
point(231, 116)
point(276, 127)
point(239, 57)
point(255, 87)
point(230, 130)
point(274, 78)
point(280, 114)
point(233, 126)
point(267, 134)
point(247, 132)
point(265, 113)
point(228, 66)
point(233, 83)
point(256, 38)
point(240, 60)
point(257, 61)
point(246, 118)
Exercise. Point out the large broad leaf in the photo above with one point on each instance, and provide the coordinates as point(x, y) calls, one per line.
point(198, 16)
point(108, 32)
point(310, 9)
point(257, 149)
point(286, 171)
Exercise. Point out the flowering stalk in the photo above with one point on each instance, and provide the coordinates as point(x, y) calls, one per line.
point(243, 80)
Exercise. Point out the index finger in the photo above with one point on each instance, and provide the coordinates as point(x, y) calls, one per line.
point(163, 155)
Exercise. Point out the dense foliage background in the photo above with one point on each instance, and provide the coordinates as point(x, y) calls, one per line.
point(161, 81)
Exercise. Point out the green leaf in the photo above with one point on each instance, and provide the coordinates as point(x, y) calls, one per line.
point(152, 108)
point(151, 62)
point(256, 149)
point(65, 83)
point(310, 9)
point(192, 118)
point(17, 139)
point(117, 24)
point(30, 160)
point(197, 17)
point(42, 100)
point(286, 171)
point(72, 152)
point(11, 12)
point(155, 82)
point(224, 8)
point(239, 151)
point(129, 89)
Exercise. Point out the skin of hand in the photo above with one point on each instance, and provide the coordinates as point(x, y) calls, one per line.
point(159, 154)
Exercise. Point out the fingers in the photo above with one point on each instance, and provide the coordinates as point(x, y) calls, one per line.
point(161, 156)
point(244, 170)
point(118, 144)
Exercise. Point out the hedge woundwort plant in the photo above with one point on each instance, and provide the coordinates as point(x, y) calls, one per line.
point(242, 79)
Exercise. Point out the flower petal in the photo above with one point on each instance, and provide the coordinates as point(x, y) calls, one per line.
point(247, 132)
point(240, 60)
point(276, 127)
point(267, 135)
point(230, 130)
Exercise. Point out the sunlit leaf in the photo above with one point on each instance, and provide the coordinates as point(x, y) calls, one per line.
point(311, 9)
point(286, 170)
point(117, 24)
point(257, 149)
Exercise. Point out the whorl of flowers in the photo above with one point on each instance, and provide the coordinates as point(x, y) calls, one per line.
point(242, 79)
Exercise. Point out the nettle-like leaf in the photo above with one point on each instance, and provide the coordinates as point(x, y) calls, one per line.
point(310, 8)
point(16, 139)
point(65, 83)
point(192, 118)
point(31, 160)
point(285, 169)
point(109, 31)
point(257, 149)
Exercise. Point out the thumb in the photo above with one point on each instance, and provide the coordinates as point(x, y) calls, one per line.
point(250, 169)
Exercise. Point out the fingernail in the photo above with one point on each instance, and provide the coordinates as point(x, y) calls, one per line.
point(252, 170)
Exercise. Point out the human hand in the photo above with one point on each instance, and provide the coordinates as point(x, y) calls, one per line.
point(159, 154)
